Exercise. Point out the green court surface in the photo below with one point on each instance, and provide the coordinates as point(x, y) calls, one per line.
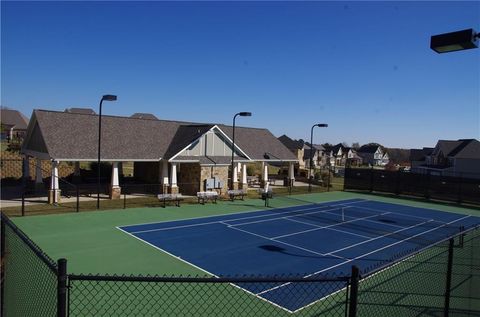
point(92, 244)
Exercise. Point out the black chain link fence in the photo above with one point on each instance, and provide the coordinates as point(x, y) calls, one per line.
point(462, 189)
point(196, 296)
point(439, 280)
point(29, 276)
point(427, 283)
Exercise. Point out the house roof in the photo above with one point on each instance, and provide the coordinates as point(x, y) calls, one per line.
point(140, 115)
point(466, 148)
point(420, 154)
point(80, 110)
point(74, 136)
point(13, 118)
point(446, 146)
point(368, 148)
point(290, 143)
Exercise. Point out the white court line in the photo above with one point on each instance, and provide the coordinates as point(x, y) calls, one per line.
point(351, 233)
point(356, 200)
point(321, 227)
point(363, 255)
point(203, 270)
point(392, 212)
point(281, 242)
point(278, 216)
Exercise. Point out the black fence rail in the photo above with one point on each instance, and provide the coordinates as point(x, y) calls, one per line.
point(461, 189)
point(438, 280)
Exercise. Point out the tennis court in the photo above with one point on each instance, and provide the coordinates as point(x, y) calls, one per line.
point(308, 240)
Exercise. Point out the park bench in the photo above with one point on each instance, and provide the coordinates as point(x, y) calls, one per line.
point(206, 196)
point(237, 193)
point(176, 198)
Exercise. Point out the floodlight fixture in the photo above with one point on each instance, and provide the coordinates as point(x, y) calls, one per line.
point(454, 41)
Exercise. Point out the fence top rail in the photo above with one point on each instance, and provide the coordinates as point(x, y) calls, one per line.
point(410, 253)
point(35, 248)
point(190, 279)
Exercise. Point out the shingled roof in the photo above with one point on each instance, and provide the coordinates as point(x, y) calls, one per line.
point(13, 118)
point(74, 136)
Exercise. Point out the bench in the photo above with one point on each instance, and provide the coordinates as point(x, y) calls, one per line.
point(206, 196)
point(234, 193)
point(176, 198)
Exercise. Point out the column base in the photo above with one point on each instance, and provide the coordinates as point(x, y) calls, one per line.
point(291, 181)
point(54, 196)
point(173, 189)
point(243, 186)
point(115, 192)
point(235, 186)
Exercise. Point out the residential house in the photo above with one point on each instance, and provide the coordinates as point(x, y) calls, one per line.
point(454, 158)
point(374, 155)
point(179, 156)
point(13, 124)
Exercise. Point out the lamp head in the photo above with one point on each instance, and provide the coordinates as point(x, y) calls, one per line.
point(454, 41)
point(322, 125)
point(245, 114)
point(266, 156)
point(109, 97)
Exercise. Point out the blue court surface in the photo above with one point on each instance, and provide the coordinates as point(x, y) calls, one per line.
point(323, 239)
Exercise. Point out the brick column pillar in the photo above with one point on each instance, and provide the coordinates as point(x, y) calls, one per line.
point(54, 192)
point(235, 176)
point(291, 173)
point(244, 176)
point(115, 189)
point(173, 179)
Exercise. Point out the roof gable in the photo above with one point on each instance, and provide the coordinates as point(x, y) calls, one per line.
point(13, 118)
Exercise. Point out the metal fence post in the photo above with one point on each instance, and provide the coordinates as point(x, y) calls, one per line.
point(62, 288)
point(352, 309)
point(371, 179)
point(124, 200)
point(23, 204)
point(448, 283)
point(78, 199)
point(2, 264)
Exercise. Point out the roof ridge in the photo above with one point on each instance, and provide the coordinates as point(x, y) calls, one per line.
point(114, 116)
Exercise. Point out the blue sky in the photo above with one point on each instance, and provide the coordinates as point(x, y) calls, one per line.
point(365, 68)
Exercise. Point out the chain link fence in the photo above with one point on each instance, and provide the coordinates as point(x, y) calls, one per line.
point(29, 276)
point(464, 188)
point(439, 280)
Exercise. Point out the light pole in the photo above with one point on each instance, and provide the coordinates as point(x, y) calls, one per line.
point(241, 114)
point(107, 98)
point(310, 176)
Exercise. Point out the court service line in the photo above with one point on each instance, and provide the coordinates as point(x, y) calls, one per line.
point(364, 255)
point(323, 227)
point(281, 242)
point(203, 270)
point(393, 212)
point(236, 219)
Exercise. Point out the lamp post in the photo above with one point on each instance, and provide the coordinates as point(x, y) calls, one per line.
point(310, 176)
point(241, 114)
point(107, 98)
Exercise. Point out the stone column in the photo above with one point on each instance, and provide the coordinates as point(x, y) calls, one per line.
point(54, 192)
point(173, 179)
point(244, 176)
point(38, 176)
point(164, 175)
point(115, 189)
point(265, 176)
point(291, 174)
point(235, 176)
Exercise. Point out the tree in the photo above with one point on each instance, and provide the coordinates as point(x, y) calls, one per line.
point(356, 145)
